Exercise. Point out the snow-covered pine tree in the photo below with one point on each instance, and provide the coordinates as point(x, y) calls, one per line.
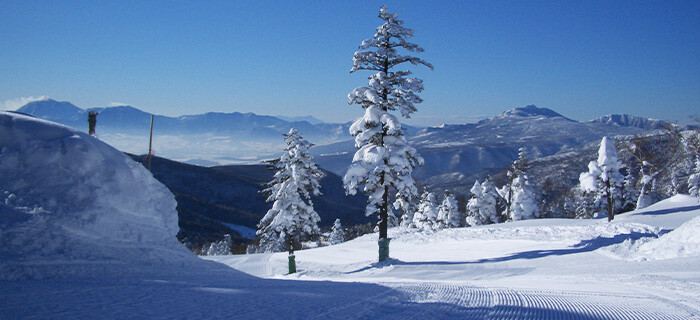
point(407, 219)
point(384, 160)
point(337, 234)
point(490, 202)
point(448, 213)
point(648, 175)
point(525, 204)
point(426, 216)
point(220, 248)
point(474, 205)
point(630, 194)
point(603, 179)
point(292, 217)
point(674, 185)
point(694, 179)
point(520, 165)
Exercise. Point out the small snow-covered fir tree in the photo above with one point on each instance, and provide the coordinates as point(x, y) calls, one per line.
point(292, 217)
point(384, 160)
point(407, 219)
point(519, 166)
point(220, 248)
point(474, 205)
point(490, 202)
point(448, 213)
point(645, 198)
point(630, 194)
point(525, 204)
point(426, 216)
point(694, 179)
point(603, 179)
point(675, 185)
point(337, 234)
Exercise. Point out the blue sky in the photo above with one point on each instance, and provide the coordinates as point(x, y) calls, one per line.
point(583, 59)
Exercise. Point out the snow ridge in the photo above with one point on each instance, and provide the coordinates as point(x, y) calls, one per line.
point(70, 205)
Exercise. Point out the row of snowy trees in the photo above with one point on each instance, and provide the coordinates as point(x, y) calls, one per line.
point(516, 200)
point(608, 188)
point(432, 215)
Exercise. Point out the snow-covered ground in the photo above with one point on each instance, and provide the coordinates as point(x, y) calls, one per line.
point(645, 264)
point(86, 233)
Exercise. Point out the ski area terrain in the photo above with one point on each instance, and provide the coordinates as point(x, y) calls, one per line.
point(86, 232)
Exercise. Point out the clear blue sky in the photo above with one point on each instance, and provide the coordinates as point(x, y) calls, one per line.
point(581, 58)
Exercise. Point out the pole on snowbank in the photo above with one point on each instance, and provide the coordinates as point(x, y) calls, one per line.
point(150, 145)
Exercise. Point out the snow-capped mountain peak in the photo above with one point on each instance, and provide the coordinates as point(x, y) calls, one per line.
point(530, 111)
point(51, 109)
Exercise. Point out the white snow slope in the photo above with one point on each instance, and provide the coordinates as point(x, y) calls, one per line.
point(643, 265)
point(85, 233)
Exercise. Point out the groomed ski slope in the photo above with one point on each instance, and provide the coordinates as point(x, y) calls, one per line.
point(636, 267)
point(86, 233)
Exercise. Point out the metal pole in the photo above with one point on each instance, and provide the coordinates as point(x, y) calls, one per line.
point(150, 145)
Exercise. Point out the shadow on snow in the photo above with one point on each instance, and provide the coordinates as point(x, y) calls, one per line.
point(583, 246)
point(667, 211)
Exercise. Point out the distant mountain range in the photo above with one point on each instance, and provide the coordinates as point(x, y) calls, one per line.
point(210, 138)
point(456, 154)
point(453, 153)
point(127, 119)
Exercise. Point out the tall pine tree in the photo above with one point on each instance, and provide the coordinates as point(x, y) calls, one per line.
point(292, 217)
point(384, 161)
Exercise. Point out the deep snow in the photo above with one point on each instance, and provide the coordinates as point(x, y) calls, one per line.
point(87, 233)
point(644, 261)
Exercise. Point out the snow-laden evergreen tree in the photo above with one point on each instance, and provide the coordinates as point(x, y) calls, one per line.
point(675, 185)
point(426, 216)
point(630, 194)
point(474, 205)
point(407, 219)
point(603, 179)
point(645, 197)
point(519, 166)
point(694, 179)
point(292, 217)
point(525, 204)
point(489, 208)
point(220, 248)
point(337, 234)
point(583, 204)
point(384, 160)
point(448, 213)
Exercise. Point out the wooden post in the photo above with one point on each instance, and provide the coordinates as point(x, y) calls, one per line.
point(150, 145)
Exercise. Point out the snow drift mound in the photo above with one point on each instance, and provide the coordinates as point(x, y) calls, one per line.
point(681, 242)
point(72, 205)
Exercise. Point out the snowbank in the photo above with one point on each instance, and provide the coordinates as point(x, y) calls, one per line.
point(681, 242)
point(72, 205)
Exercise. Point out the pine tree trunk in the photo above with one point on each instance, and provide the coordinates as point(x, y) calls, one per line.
point(384, 214)
point(610, 200)
point(292, 262)
point(510, 197)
